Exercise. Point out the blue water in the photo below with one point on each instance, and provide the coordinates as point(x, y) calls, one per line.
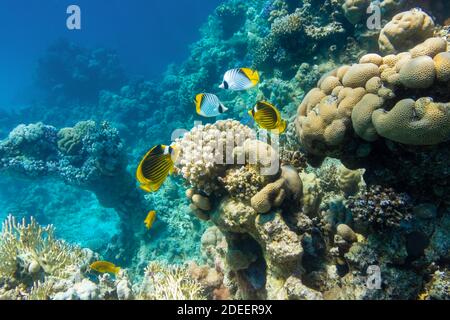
point(147, 35)
point(145, 38)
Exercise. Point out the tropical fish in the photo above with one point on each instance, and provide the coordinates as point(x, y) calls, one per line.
point(240, 79)
point(104, 267)
point(154, 168)
point(150, 219)
point(209, 105)
point(268, 117)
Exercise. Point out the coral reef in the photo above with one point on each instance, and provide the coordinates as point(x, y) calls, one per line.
point(163, 282)
point(346, 194)
point(66, 70)
point(405, 30)
point(373, 100)
point(380, 208)
point(89, 156)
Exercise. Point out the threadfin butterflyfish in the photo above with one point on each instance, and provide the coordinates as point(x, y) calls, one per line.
point(268, 117)
point(150, 219)
point(154, 168)
point(240, 79)
point(209, 105)
point(104, 267)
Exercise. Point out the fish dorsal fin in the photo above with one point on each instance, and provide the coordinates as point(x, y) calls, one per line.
point(252, 75)
point(198, 102)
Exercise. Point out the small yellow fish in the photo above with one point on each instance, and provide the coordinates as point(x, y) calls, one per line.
point(151, 217)
point(105, 267)
point(209, 105)
point(268, 117)
point(154, 168)
point(240, 79)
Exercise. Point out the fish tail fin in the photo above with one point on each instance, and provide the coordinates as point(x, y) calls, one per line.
point(116, 270)
point(155, 186)
point(252, 75)
point(145, 187)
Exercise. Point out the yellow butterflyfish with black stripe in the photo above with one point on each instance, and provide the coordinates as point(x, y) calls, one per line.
point(154, 168)
point(268, 117)
point(209, 105)
point(240, 79)
point(104, 267)
point(150, 219)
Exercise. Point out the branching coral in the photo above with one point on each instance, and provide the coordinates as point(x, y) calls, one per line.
point(31, 258)
point(164, 282)
point(29, 250)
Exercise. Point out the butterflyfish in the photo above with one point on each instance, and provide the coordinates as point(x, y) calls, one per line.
point(150, 219)
point(240, 79)
point(268, 117)
point(154, 168)
point(209, 105)
point(104, 267)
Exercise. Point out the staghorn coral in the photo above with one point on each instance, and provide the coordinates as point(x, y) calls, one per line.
point(33, 260)
point(29, 251)
point(165, 282)
point(405, 30)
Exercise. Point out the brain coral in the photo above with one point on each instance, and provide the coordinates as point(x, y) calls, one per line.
point(405, 30)
point(354, 10)
point(373, 99)
point(420, 122)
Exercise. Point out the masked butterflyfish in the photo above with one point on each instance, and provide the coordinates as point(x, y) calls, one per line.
point(240, 79)
point(104, 267)
point(209, 105)
point(150, 219)
point(154, 168)
point(268, 117)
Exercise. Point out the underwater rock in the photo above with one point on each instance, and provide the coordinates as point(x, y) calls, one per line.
point(89, 156)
